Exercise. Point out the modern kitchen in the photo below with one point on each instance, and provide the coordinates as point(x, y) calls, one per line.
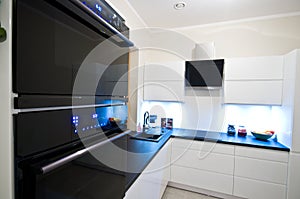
point(137, 99)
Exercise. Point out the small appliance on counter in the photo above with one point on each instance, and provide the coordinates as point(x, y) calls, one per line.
point(231, 129)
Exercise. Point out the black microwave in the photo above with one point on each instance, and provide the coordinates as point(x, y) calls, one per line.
point(204, 73)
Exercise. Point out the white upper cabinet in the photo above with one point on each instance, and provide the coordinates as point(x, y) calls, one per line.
point(254, 80)
point(164, 81)
point(167, 71)
point(254, 68)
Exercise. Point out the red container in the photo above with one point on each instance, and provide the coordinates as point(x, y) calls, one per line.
point(242, 131)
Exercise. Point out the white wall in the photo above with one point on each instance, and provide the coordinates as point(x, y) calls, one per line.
point(6, 140)
point(265, 37)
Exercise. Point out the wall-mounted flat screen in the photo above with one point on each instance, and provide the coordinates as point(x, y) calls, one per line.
point(204, 73)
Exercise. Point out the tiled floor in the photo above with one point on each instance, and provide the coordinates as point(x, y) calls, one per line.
point(173, 193)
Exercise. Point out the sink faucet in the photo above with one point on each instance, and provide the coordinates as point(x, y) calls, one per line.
point(146, 119)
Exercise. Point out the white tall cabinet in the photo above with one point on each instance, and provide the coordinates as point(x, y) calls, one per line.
point(292, 62)
point(6, 141)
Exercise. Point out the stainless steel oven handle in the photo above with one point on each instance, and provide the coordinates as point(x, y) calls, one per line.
point(54, 165)
point(112, 29)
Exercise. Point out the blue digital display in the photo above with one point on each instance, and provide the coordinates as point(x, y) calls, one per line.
point(98, 7)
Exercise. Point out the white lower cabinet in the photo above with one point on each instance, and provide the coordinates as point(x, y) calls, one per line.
point(198, 178)
point(258, 189)
point(260, 173)
point(237, 171)
point(153, 181)
point(201, 165)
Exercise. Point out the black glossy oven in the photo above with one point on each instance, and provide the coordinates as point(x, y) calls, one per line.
point(62, 127)
point(66, 153)
point(52, 40)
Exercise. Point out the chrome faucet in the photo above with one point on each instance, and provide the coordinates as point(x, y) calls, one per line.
point(146, 119)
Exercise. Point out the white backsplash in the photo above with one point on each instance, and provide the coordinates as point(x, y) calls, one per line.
point(209, 113)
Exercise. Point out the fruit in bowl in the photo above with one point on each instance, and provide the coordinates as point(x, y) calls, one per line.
point(262, 135)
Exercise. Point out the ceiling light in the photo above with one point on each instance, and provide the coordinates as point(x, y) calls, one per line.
point(179, 5)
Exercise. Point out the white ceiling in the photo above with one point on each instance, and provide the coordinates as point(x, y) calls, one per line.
point(161, 13)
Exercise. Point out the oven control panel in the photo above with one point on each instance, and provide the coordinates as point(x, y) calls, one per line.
point(106, 12)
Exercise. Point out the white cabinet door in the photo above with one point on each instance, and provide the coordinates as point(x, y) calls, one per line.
point(269, 171)
point(166, 71)
point(202, 179)
point(260, 173)
point(203, 160)
point(254, 68)
point(253, 92)
point(203, 165)
point(164, 91)
point(152, 182)
point(262, 154)
point(203, 146)
point(257, 189)
point(254, 80)
point(164, 81)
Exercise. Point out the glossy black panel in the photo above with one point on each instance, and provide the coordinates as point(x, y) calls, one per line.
point(37, 132)
point(204, 73)
point(85, 177)
point(51, 43)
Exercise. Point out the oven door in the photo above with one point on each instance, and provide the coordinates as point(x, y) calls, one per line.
point(78, 175)
point(51, 41)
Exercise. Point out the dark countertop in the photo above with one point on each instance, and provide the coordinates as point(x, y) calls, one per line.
point(219, 137)
point(141, 152)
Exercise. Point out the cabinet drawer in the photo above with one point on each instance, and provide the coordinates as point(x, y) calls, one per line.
point(254, 68)
point(263, 154)
point(203, 146)
point(255, 189)
point(202, 179)
point(203, 160)
point(275, 172)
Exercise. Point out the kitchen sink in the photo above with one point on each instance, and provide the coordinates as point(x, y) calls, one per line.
point(149, 135)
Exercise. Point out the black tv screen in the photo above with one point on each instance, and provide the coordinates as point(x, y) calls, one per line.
point(204, 73)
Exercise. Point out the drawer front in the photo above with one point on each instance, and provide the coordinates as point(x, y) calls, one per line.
point(269, 171)
point(263, 154)
point(203, 160)
point(203, 146)
point(255, 189)
point(202, 179)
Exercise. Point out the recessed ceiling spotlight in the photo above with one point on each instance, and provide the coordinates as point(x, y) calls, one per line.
point(179, 5)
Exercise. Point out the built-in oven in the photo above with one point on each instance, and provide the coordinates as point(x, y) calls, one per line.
point(62, 127)
point(68, 153)
point(53, 39)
